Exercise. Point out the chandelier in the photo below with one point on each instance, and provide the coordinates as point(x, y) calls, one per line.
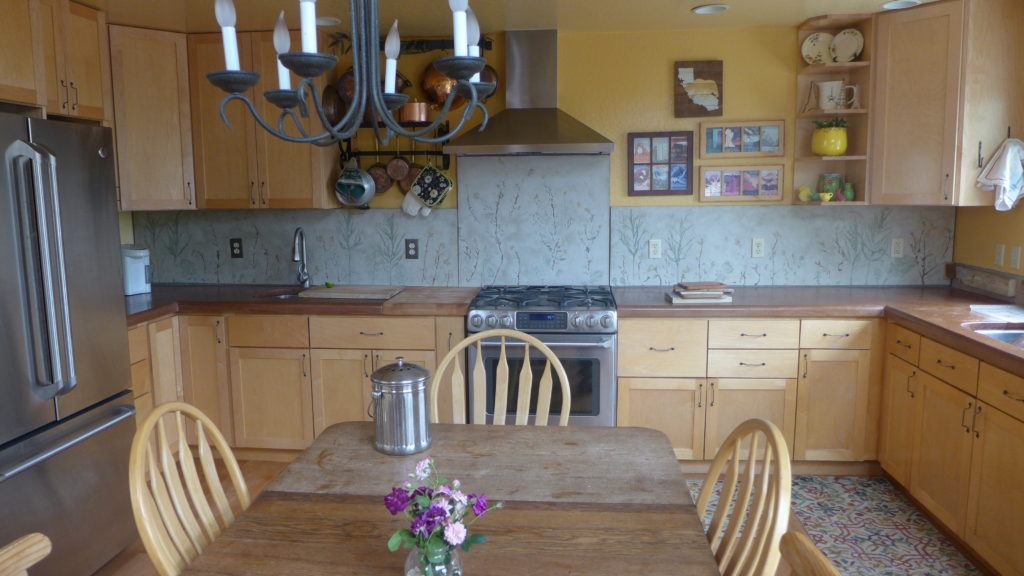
point(372, 92)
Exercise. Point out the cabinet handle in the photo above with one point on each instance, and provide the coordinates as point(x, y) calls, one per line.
point(963, 417)
point(1013, 396)
point(700, 395)
point(945, 188)
point(366, 372)
point(653, 349)
point(188, 192)
point(711, 386)
point(216, 329)
point(912, 376)
point(805, 366)
point(74, 103)
point(263, 197)
point(450, 335)
point(827, 335)
point(753, 365)
point(945, 364)
point(977, 412)
point(371, 333)
point(252, 193)
point(981, 161)
point(761, 335)
point(903, 344)
point(304, 373)
point(67, 95)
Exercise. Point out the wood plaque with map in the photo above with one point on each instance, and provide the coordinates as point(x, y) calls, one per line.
point(698, 88)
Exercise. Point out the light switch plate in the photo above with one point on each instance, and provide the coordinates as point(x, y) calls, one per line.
point(654, 248)
point(757, 248)
point(1015, 257)
point(898, 245)
point(1000, 254)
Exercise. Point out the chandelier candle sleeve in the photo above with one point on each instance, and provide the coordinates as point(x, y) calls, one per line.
point(307, 20)
point(473, 36)
point(459, 26)
point(392, 46)
point(282, 43)
point(225, 12)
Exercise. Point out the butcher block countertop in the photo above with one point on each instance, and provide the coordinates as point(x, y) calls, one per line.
point(262, 299)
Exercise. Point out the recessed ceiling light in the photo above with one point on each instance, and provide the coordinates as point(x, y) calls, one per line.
point(900, 4)
point(710, 9)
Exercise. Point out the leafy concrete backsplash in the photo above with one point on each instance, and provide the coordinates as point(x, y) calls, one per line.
point(803, 245)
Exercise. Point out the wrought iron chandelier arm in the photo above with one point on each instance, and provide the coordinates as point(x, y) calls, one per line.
point(350, 122)
point(263, 123)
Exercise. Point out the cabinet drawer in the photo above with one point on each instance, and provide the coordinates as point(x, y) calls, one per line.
point(368, 332)
point(753, 363)
point(748, 334)
point(663, 347)
point(1002, 390)
point(951, 366)
point(268, 331)
point(903, 343)
point(138, 344)
point(836, 334)
point(142, 378)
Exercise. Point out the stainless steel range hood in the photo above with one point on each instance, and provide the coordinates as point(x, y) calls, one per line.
point(532, 123)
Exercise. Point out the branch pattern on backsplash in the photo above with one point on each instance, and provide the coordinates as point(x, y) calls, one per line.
point(803, 245)
point(533, 220)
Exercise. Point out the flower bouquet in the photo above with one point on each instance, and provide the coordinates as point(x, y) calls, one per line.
point(438, 512)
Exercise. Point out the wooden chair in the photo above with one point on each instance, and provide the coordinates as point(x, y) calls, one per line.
point(803, 557)
point(753, 506)
point(479, 408)
point(25, 552)
point(172, 504)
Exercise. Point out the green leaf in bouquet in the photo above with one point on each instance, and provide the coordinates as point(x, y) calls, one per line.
point(437, 549)
point(473, 540)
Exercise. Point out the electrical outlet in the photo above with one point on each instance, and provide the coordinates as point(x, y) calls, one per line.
point(235, 247)
point(896, 250)
point(654, 248)
point(1015, 257)
point(757, 248)
point(412, 249)
point(1000, 254)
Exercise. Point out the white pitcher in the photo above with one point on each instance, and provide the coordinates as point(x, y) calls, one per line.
point(832, 94)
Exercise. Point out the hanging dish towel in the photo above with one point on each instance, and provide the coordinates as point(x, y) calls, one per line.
point(1004, 174)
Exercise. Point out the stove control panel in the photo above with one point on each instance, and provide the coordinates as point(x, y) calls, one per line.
point(596, 322)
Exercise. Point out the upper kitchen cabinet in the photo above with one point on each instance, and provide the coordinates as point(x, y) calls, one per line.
point(946, 96)
point(243, 166)
point(19, 56)
point(151, 108)
point(74, 52)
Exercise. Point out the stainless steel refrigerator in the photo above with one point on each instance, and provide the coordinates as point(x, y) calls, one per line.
point(66, 412)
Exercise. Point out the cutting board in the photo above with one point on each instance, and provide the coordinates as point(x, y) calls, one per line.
point(352, 292)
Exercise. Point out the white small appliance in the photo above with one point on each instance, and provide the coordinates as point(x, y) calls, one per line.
point(135, 262)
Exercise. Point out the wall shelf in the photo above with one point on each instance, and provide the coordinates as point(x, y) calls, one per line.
point(814, 114)
point(833, 68)
point(850, 158)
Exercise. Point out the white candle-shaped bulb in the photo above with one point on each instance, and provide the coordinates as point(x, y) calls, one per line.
point(459, 26)
point(473, 38)
point(225, 12)
point(307, 20)
point(282, 43)
point(392, 46)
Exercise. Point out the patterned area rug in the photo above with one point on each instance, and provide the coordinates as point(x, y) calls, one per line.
point(867, 527)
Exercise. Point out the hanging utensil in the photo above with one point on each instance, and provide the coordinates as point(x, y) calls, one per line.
point(398, 167)
point(354, 188)
point(379, 171)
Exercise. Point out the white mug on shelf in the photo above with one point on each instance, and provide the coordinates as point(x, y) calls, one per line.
point(832, 95)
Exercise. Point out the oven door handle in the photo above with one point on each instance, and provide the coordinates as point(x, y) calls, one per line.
point(606, 344)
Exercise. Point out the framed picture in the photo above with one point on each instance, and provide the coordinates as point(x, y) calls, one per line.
point(660, 163)
point(742, 139)
point(698, 88)
point(741, 183)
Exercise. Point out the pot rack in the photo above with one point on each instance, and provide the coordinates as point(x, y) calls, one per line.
point(348, 153)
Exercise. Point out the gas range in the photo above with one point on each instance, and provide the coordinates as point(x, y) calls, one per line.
point(544, 309)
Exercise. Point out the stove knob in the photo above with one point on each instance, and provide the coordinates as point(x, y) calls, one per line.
point(476, 321)
point(492, 321)
point(606, 321)
point(577, 321)
point(591, 321)
point(506, 321)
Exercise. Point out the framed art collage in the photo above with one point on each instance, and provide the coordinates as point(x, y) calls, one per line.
point(742, 139)
point(660, 163)
point(741, 183)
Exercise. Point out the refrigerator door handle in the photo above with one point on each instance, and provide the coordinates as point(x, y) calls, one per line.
point(116, 416)
point(70, 377)
point(18, 157)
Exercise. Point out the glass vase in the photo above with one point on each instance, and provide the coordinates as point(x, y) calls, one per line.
point(416, 564)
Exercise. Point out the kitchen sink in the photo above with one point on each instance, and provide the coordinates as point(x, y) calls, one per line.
point(1011, 333)
point(286, 296)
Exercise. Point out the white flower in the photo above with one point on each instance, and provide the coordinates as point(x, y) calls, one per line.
point(423, 469)
point(455, 533)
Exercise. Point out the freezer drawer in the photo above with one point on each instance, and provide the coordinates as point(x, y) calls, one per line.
point(71, 483)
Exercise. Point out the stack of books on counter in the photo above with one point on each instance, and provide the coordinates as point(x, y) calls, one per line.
point(700, 293)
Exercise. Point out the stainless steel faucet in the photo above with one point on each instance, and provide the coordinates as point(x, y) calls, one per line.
point(299, 255)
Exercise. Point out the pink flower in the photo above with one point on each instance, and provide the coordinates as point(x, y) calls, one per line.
point(455, 533)
point(423, 469)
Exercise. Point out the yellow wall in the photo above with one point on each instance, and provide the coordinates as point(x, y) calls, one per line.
point(621, 82)
point(978, 230)
point(126, 227)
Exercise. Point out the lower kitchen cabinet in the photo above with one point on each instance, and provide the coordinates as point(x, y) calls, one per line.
point(272, 398)
point(995, 506)
point(674, 406)
point(941, 465)
point(732, 401)
point(204, 369)
point(165, 364)
point(832, 405)
point(901, 410)
point(341, 386)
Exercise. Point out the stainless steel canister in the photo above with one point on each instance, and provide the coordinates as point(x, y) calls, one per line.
point(399, 408)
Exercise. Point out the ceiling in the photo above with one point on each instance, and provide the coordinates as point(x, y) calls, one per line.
point(432, 17)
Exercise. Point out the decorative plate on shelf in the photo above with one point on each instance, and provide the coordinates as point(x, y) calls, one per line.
point(847, 45)
point(816, 48)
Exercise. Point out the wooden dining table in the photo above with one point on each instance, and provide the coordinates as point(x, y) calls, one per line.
point(580, 501)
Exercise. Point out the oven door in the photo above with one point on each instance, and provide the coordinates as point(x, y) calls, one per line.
point(589, 363)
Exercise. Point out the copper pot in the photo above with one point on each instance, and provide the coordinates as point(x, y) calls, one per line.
point(436, 87)
point(405, 184)
point(413, 112)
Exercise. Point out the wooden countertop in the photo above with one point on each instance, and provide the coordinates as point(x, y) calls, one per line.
point(265, 299)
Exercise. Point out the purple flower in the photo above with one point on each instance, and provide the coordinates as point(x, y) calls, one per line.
point(479, 503)
point(397, 501)
point(425, 523)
